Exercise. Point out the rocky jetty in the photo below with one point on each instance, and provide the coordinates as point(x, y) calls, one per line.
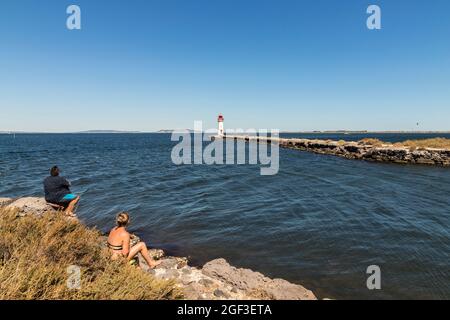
point(216, 280)
point(362, 151)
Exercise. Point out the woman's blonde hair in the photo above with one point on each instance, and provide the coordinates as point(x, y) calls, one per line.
point(122, 219)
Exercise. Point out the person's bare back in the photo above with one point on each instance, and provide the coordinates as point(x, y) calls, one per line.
point(119, 242)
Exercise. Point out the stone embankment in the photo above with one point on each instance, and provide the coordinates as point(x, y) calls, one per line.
point(361, 150)
point(216, 280)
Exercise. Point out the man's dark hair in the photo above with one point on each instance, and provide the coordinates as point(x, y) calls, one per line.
point(54, 171)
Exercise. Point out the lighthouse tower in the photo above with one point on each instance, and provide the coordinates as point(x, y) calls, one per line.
point(220, 131)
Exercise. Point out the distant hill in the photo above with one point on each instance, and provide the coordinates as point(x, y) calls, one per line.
point(165, 131)
point(11, 132)
point(107, 131)
point(174, 130)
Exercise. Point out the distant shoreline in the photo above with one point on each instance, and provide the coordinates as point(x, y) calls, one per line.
point(364, 132)
point(176, 130)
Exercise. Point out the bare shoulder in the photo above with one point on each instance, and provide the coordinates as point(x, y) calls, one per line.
point(112, 233)
point(124, 233)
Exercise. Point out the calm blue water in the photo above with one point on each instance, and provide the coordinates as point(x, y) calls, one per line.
point(320, 222)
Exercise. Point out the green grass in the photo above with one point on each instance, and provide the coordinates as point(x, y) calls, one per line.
point(36, 251)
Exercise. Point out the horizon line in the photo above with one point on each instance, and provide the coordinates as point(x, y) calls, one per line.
point(7, 132)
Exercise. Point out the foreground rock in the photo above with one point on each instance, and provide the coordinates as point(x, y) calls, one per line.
point(217, 280)
point(254, 283)
point(29, 205)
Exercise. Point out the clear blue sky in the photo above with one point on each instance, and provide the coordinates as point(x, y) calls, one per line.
point(292, 65)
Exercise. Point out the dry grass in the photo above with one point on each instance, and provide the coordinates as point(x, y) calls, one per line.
point(439, 143)
point(371, 142)
point(35, 253)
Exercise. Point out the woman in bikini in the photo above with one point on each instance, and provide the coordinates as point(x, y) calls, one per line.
point(119, 242)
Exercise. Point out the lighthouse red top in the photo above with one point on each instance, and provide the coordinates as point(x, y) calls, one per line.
point(220, 119)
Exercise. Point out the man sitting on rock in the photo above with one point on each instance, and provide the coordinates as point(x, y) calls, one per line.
point(58, 194)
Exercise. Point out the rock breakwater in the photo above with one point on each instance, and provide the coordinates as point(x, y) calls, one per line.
point(361, 150)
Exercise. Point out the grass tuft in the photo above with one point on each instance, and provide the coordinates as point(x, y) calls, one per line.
point(371, 142)
point(35, 253)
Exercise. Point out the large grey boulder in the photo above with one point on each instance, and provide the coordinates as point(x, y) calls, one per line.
point(254, 283)
point(30, 205)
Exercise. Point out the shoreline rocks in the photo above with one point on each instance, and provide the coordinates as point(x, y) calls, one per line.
point(255, 283)
point(216, 280)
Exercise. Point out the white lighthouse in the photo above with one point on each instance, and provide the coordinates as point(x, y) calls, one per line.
point(220, 131)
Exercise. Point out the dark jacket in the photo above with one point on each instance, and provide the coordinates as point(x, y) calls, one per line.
point(56, 188)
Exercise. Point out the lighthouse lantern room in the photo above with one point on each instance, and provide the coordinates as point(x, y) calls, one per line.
point(220, 131)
